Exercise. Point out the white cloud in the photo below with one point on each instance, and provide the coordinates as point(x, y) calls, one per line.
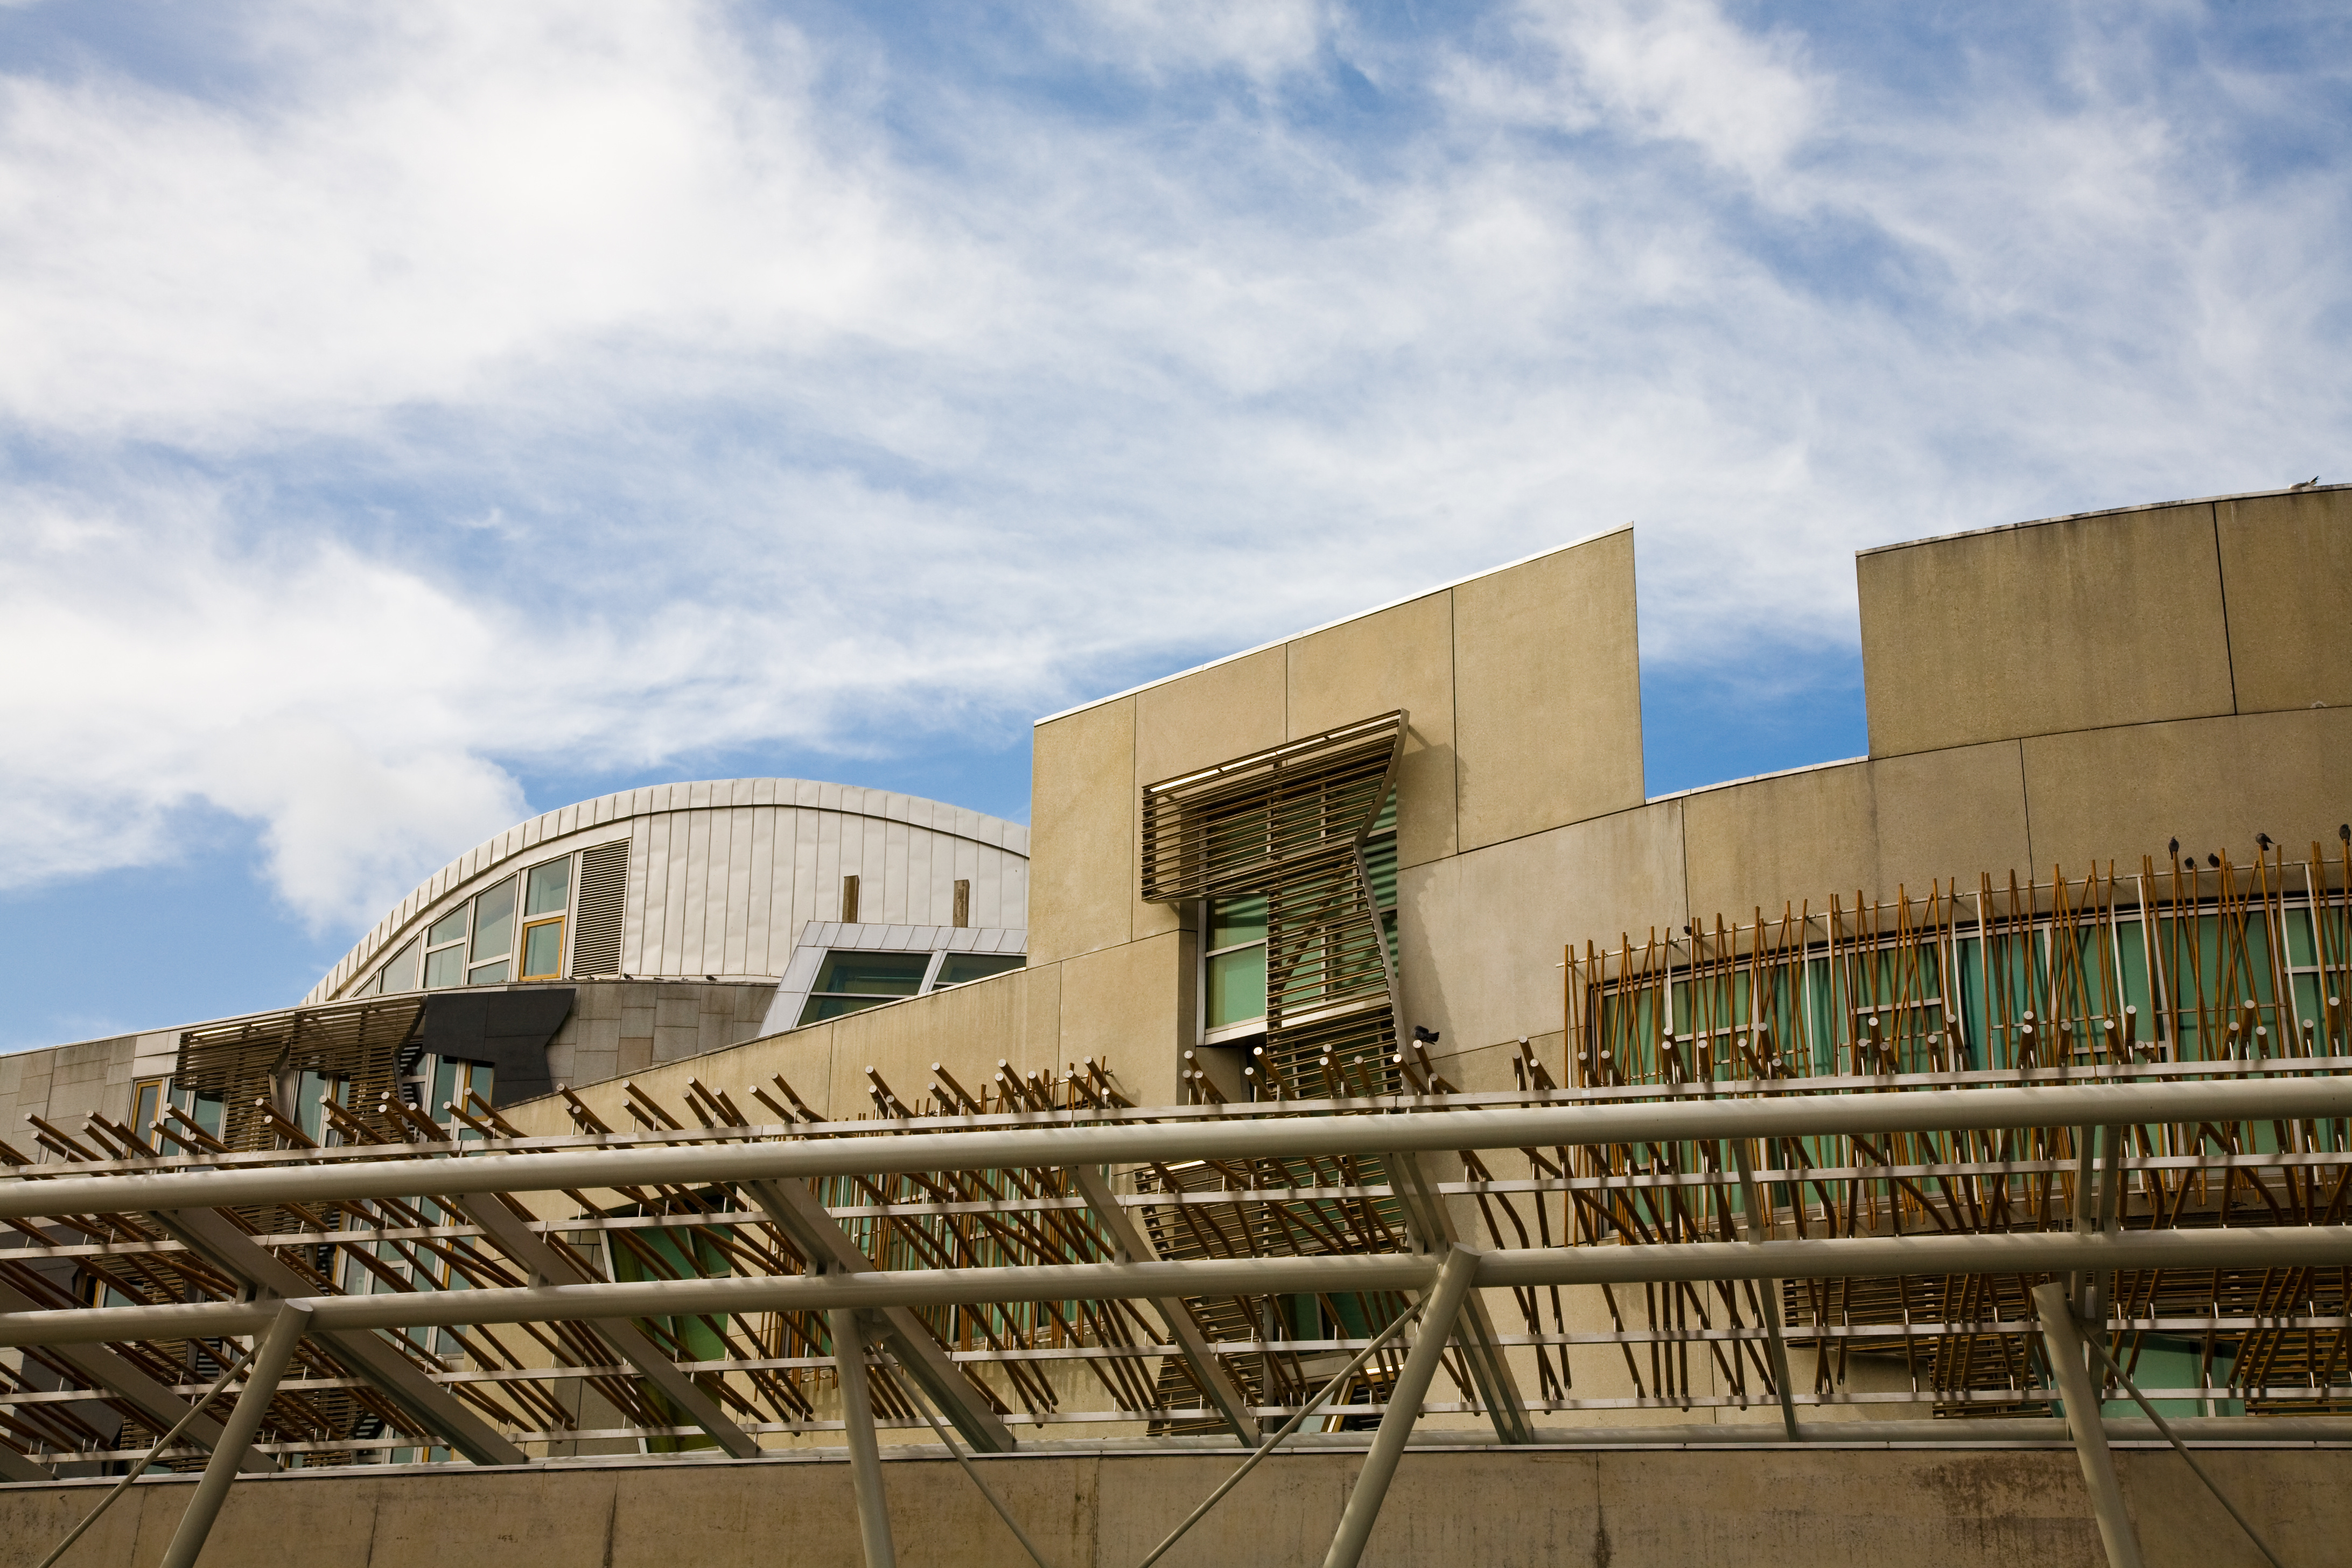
point(1261, 39)
point(1674, 69)
point(475, 391)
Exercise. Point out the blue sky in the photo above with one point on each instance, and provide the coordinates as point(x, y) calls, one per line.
point(414, 417)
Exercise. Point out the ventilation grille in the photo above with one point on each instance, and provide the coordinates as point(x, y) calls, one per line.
point(603, 893)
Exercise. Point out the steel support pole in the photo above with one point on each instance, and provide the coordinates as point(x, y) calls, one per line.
point(793, 1209)
point(1431, 1225)
point(2068, 1360)
point(1455, 1278)
point(1767, 1293)
point(865, 1452)
point(236, 1435)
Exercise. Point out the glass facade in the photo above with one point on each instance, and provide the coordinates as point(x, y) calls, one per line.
point(850, 982)
point(514, 930)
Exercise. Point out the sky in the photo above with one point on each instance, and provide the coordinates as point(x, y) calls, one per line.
point(415, 417)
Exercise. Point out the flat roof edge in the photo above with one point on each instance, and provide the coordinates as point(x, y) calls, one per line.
point(1755, 778)
point(2103, 512)
point(1338, 621)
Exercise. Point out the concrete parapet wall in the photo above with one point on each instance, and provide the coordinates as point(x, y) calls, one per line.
point(1820, 1509)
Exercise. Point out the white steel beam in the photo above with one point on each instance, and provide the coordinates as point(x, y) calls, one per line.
point(865, 1449)
point(236, 1433)
point(1431, 1223)
point(2068, 1361)
point(2035, 1252)
point(1456, 1281)
point(1692, 1113)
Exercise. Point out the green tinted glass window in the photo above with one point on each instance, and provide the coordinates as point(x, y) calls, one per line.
point(1236, 921)
point(873, 973)
point(492, 973)
point(959, 967)
point(820, 1008)
point(1236, 987)
point(550, 888)
point(448, 928)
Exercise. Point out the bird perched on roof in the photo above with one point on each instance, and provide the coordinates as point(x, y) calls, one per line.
point(2344, 832)
point(2174, 847)
point(2214, 861)
point(2263, 840)
point(2306, 484)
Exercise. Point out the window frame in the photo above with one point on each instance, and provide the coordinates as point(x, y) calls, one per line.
point(468, 910)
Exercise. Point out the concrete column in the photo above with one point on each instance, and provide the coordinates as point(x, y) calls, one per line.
point(865, 1452)
point(1455, 1280)
point(237, 1435)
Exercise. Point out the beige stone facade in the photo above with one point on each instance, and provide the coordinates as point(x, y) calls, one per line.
point(2039, 696)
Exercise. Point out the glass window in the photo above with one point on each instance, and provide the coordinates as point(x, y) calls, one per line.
point(400, 974)
point(958, 968)
point(444, 967)
point(542, 950)
point(1237, 986)
point(1380, 865)
point(445, 950)
point(548, 889)
point(1236, 962)
point(820, 1008)
point(309, 1089)
point(453, 1080)
point(1234, 938)
point(874, 973)
point(146, 1105)
point(493, 973)
point(852, 982)
point(204, 1110)
point(494, 914)
point(1233, 922)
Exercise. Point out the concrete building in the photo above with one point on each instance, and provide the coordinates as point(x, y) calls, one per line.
point(1406, 861)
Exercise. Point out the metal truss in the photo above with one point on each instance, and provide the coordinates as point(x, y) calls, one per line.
point(704, 1284)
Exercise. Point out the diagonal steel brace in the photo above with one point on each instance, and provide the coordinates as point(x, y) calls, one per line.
point(818, 1236)
point(392, 1374)
point(1432, 1226)
point(1217, 1384)
point(527, 1246)
point(157, 1405)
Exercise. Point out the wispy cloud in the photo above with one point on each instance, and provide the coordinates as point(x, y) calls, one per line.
point(396, 399)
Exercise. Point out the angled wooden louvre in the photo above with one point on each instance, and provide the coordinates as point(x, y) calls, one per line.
point(1289, 823)
point(603, 893)
point(239, 1064)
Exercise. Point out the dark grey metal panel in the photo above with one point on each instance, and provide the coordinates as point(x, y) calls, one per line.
point(506, 1029)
